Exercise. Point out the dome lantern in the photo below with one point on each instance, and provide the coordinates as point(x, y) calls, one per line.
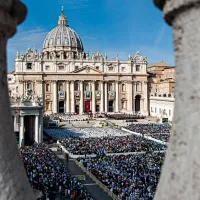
point(62, 18)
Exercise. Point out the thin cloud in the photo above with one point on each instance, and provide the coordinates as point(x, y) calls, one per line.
point(160, 35)
point(25, 39)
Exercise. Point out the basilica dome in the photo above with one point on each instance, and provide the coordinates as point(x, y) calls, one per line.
point(63, 36)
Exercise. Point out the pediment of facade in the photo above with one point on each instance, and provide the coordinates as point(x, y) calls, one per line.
point(87, 70)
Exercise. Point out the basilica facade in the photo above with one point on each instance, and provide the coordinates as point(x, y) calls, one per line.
point(69, 80)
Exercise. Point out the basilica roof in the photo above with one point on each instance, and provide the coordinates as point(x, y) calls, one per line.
point(63, 35)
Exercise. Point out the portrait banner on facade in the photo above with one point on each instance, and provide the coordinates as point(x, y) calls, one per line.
point(61, 95)
point(111, 95)
point(77, 95)
point(87, 95)
point(98, 94)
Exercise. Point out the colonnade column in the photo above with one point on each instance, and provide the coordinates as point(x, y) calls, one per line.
point(21, 134)
point(41, 129)
point(93, 98)
point(68, 97)
point(130, 96)
point(106, 97)
point(117, 96)
point(72, 98)
point(102, 99)
point(37, 128)
point(55, 97)
point(81, 98)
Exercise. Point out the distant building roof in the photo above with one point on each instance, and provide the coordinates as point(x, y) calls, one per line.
point(12, 72)
point(160, 64)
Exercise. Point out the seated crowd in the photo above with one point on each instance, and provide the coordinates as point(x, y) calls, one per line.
point(124, 116)
point(47, 173)
point(104, 145)
point(62, 133)
point(157, 131)
point(133, 177)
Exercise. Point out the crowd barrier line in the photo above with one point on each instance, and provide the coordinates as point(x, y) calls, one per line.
point(101, 185)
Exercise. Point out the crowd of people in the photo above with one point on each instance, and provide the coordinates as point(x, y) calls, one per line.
point(62, 133)
point(132, 177)
point(47, 173)
point(106, 145)
point(157, 131)
point(124, 116)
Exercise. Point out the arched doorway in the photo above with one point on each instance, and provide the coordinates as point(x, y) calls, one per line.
point(137, 103)
point(77, 109)
point(61, 106)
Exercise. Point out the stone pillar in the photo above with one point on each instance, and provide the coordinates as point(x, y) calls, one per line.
point(72, 98)
point(93, 98)
point(134, 105)
point(180, 173)
point(21, 133)
point(106, 97)
point(37, 128)
point(145, 96)
point(41, 129)
point(129, 92)
point(55, 97)
point(81, 98)
point(117, 96)
point(102, 97)
point(67, 97)
point(13, 181)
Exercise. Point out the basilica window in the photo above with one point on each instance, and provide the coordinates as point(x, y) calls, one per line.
point(17, 89)
point(123, 87)
point(155, 110)
point(29, 66)
point(76, 88)
point(47, 67)
point(137, 68)
point(123, 69)
point(97, 67)
point(110, 69)
point(86, 87)
point(76, 67)
point(110, 87)
point(47, 87)
point(138, 87)
point(9, 79)
point(60, 87)
point(170, 113)
point(29, 86)
point(61, 67)
point(96, 86)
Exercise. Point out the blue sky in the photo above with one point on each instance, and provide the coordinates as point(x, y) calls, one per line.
point(111, 26)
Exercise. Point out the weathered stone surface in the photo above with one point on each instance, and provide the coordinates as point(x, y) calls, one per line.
point(180, 178)
point(13, 180)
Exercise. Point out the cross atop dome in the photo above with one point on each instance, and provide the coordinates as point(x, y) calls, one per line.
point(62, 18)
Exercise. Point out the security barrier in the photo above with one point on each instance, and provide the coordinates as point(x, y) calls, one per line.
point(102, 186)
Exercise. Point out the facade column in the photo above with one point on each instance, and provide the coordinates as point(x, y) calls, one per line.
point(133, 105)
point(72, 98)
point(55, 97)
point(67, 97)
point(41, 128)
point(81, 98)
point(145, 93)
point(37, 128)
point(93, 98)
point(117, 96)
point(106, 97)
point(21, 134)
point(102, 97)
point(130, 96)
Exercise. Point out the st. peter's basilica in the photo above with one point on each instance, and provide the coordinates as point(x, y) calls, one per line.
point(69, 80)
